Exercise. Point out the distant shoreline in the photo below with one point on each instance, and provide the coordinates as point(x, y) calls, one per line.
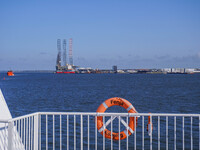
point(118, 71)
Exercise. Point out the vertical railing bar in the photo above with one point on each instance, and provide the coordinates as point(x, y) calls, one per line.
point(10, 136)
point(29, 132)
point(199, 132)
point(81, 132)
point(119, 133)
point(67, 132)
point(32, 135)
point(39, 131)
point(95, 132)
point(24, 128)
point(111, 133)
point(191, 135)
point(36, 126)
point(158, 132)
point(4, 143)
point(17, 132)
point(175, 133)
point(14, 136)
point(6, 135)
point(18, 127)
point(142, 132)
point(7, 132)
point(74, 132)
point(20, 136)
point(46, 132)
point(21, 124)
point(135, 142)
point(183, 130)
point(26, 133)
point(151, 134)
point(88, 132)
point(60, 132)
point(21, 131)
point(127, 133)
point(104, 133)
point(17, 135)
point(166, 132)
point(53, 132)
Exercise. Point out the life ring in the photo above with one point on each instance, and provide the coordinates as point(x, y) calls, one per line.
point(149, 126)
point(119, 102)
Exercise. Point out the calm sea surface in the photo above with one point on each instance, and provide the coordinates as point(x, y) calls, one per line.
point(156, 93)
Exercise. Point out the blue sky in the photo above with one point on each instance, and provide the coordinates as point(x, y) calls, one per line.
point(129, 34)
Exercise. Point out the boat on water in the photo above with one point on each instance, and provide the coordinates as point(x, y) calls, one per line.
point(10, 73)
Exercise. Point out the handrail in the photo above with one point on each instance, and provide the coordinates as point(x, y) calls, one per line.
point(48, 129)
point(24, 116)
point(100, 114)
point(120, 114)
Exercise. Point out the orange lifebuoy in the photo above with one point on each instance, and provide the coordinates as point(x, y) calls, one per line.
point(149, 126)
point(119, 102)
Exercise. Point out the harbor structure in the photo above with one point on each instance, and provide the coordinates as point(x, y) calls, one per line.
point(66, 67)
point(115, 69)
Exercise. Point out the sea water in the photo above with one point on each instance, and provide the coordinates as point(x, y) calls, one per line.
point(157, 93)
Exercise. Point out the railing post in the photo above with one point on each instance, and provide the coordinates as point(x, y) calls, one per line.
point(10, 136)
point(35, 143)
point(39, 131)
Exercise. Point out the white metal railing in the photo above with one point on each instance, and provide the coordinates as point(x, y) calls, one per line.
point(73, 130)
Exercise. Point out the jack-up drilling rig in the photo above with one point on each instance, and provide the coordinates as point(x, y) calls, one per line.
point(65, 68)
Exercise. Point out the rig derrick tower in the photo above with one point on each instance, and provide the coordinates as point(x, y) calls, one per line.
point(58, 62)
point(64, 52)
point(70, 52)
